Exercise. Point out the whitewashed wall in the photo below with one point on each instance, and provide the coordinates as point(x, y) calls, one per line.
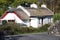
point(9, 16)
point(47, 20)
point(34, 22)
point(12, 16)
point(27, 23)
point(52, 20)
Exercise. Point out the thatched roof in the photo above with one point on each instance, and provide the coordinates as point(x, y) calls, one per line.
point(20, 13)
point(40, 12)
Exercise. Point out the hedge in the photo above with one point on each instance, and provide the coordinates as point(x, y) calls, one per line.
point(12, 29)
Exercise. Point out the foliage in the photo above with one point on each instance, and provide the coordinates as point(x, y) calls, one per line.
point(10, 28)
point(14, 28)
point(4, 4)
point(22, 2)
point(56, 17)
point(44, 28)
point(4, 22)
point(54, 5)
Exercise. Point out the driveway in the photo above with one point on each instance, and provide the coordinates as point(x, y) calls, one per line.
point(38, 36)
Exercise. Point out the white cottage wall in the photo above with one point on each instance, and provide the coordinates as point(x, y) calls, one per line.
point(52, 20)
point(34, 22)
point(28, 24)
point(18, 20)
point(45, 21)
point(9, 16)
point(12, 16)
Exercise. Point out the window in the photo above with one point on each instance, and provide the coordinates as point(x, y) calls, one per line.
point(11, 20)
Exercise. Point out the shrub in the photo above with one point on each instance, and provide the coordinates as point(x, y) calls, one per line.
point(10, 28)
point(44, 28)
point(17, 29)
point(56, 17)
point(4, 22)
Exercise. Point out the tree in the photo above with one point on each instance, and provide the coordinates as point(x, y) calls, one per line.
point(54, 5)
point(22, 2)
point(56, 17)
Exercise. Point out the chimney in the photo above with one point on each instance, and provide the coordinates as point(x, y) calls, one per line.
point(43, 6)
point(33, 5)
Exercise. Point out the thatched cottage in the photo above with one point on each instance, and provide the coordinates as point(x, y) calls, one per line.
point(30, 16)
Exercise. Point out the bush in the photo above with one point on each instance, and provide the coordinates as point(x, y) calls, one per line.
point(4, 22)
point(44, 28)
point(56, 17)
point(14, 28)
point(10, 29)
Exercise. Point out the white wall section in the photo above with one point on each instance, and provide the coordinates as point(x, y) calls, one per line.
point(12, 16)
point(34, 22)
